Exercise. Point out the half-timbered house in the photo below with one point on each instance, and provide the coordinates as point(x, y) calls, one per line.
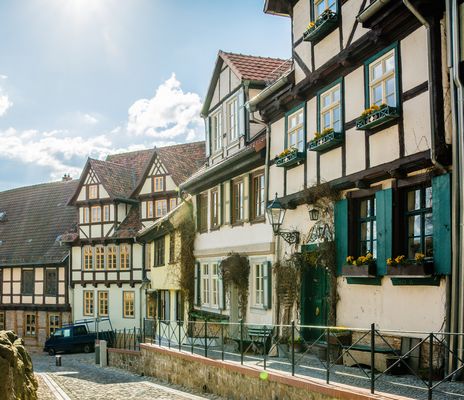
point(363, 113)
point(34, 263)
point(229, 191)
point(115, 199)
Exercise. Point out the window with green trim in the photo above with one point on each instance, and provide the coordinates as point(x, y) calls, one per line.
point(321, 5)
point(382, 75)
point(295, 130)
point(418, 221)
point(331, 109)
point(367, 226)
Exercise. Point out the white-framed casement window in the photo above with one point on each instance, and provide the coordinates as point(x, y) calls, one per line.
point(258, 288)
point(106, 213)
point(211, 286)
point(54, 323)
point(161, 208)
point(103, 303)
point(158, 184)
point(330, 111)
point(128, 304)
point(321, 5)
point(124, 256)
point(205, 288)
point(232, 119)
point(88, 258)
point(88, 302)
point(30, 325)
point(96, 214)
point(172, 203)
point(382, 80)
point(216, 131)
point(237, 201)
point(99, 257)
point(295, 130)
point(111, 257)
point(149, 208)
point(93, 191)
point(85, 215)
point(214, 285)
point(214, 198)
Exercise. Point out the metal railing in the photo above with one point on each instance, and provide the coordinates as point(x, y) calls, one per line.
point(389, 361)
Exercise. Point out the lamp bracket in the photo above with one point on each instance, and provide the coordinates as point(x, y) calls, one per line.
point(291, 237)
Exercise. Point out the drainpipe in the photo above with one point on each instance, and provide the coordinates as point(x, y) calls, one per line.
point(371, 10)
point(424, 22)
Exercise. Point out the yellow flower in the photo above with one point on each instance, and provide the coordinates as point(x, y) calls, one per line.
point(349, 259)
point(390, 262)
point(312, 24)
point(400, 259)
point(369, 256)
point(419, 257)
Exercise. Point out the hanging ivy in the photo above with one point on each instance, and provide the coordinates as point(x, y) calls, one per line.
point(235, 271)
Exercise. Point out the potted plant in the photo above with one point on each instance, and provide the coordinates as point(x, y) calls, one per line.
point(297, 345)
point(324, 24)
point(375, 116)
point(361, 267)
point(289, 157)
point(404, 267)
point(325, 140)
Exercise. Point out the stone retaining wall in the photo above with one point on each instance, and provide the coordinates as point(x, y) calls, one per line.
point(228, 380)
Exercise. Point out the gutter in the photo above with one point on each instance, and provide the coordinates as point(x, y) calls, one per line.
point(371, 10)
point(263, 94)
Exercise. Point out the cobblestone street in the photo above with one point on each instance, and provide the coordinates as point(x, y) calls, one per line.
point(79, 378)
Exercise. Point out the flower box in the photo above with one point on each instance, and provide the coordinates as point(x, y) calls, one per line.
point(411, 270)
point(326, 22)
point(326, 142)
point(293, 158)
point(359, 271)
point(377, 118)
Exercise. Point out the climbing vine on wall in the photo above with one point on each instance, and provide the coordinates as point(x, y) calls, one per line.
point(235, 271)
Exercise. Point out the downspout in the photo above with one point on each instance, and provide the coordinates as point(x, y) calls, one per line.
point(424, 22)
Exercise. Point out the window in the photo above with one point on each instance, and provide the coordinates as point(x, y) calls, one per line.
point(205, 294)
point(419, 221)
point(214, 208)
point(159, 252)
point(124, 256)
point(88, 302)
point(158, 183)
point(2, 321)
point(172, 203)
point(93, 191)
point(382, 80)
point(54, 323)
point(367, 226)
point(96, 214)
point(202, 209)
point(149, 205)
point(148, 256)
point(232, 119)
point(129, 308)
point(330, 109)
point(30, 325)
point(257, 196)
point(111, 257)
point(258, 276)
point(161, 208)
point(85, 215)
point(51, 282)
point(106, 213)
point(27, 287)
point(214, 285)
point(295, 130)
point(103, 304)
point(164, 305)
point(150, 306)
point(179, 306)
point(216, 131)
point(99, 257)
point(172, 248)
point(237, 201)
point(88, 257)
point(321, 5)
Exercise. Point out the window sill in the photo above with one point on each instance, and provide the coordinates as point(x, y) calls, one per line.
point(238, 223)
point(259, 220)
point(214, 228)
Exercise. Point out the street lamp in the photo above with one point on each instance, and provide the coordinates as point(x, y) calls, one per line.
point(275, 214)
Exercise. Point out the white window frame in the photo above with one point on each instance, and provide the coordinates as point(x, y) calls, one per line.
point(124, 257)
point(258, 283)
point(93, 191)
point(88, 256)
point(293, 131)
point(111, 257)
point(96, 213)
point(103, 300)
point(232, 114)
point(106, 213)
point(158, 183)
point(149, 208)
point(216, 131)
point(97, 255)
point(205, 285)
point(85, 215)
point(383, 78)
point(172, 203)
point(160, 213)
point(332, 4)
point(331, 107)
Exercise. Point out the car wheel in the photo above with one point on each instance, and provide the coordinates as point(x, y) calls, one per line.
point(87, 348)
point(51, 352)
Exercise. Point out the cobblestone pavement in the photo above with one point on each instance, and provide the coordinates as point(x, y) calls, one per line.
point(79, 378)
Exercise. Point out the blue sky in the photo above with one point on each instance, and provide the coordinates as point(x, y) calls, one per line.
point(83, 78)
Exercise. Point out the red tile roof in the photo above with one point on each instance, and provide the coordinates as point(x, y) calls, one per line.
point(255, 68)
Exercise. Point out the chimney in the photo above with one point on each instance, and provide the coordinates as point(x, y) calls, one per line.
point(66, 177)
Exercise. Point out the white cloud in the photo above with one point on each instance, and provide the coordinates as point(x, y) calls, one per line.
point(169, 114)
point(90, 119)
point(5, 104)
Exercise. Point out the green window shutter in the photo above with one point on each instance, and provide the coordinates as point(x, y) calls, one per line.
point(441, 218)
point(267, 285)
point(341, 232)
point(384, 218)
point(221, 293)
point(208, 139)
point(197, 289)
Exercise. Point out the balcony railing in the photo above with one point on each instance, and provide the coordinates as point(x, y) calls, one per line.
point(377, 118)
point(326, 142)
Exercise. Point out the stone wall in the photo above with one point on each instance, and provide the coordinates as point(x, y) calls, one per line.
point(223, 378)
point(17, 380)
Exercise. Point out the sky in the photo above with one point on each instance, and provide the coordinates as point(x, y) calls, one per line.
point(86, 78)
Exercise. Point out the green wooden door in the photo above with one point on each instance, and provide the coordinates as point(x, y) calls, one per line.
point(314, 291)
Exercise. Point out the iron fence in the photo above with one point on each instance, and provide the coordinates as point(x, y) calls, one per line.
point(389, 361)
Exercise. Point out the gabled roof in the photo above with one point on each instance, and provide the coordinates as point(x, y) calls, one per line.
point(118, 180)
point(138, 160)
point(34, 220)
point(248, 68)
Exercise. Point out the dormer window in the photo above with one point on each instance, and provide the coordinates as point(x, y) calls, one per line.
point(158, 184)
point(93, 191)
point(216, 131)
point(232, 119)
